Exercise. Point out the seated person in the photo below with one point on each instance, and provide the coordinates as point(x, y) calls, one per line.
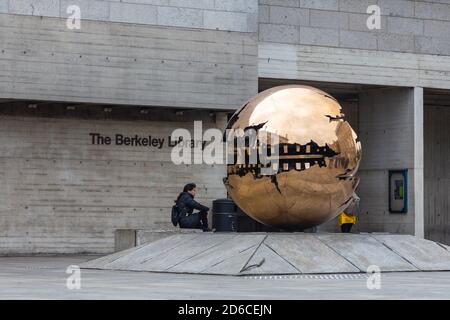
point(186, 202)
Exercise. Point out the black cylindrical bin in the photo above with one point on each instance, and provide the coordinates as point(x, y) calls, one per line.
point(224, 212)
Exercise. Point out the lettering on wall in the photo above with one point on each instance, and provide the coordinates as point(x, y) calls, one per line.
point(140, 141)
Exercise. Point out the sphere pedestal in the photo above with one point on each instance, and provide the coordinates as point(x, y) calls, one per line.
point(278, 254)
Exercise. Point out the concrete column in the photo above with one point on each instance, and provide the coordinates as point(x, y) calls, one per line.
point(391, 133)
point(419, 181)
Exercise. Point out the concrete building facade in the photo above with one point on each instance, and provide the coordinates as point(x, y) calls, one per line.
point(147, 67)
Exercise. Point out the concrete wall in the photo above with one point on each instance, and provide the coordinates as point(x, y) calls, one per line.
point(437, 173)
point(390, 129)
point(127, 64)
point(230, 15)
point(61, 194)
point(330, 41)
point(406, 26)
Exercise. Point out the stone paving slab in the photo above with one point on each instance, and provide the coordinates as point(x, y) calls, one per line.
point(100, 263)
point(232, 266)
point(196, 244)
point(217, 254)
point(153, 250)
point(362, 250)
point(267, 261)
point(308, 254)
point(424, 254)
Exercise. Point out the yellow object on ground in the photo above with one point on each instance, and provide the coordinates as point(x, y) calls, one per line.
point(346, 218)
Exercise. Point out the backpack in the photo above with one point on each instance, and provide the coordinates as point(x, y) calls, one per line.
point(177, 214)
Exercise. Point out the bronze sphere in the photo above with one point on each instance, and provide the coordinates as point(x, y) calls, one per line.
point(318, 158)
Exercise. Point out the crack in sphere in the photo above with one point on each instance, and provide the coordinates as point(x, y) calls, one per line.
point(317, 160)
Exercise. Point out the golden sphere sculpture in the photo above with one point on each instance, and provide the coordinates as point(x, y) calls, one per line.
point(318, 157)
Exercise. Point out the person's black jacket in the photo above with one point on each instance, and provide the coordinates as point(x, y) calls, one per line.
point(186, 200)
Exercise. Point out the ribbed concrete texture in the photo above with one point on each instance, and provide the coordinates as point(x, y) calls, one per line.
point(281, 253)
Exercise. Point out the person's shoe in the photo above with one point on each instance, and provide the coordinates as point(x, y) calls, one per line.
point(209, 230)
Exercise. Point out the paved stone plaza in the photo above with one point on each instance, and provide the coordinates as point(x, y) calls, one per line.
point(45, 278)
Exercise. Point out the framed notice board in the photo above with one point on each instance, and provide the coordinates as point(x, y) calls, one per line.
point(398, 191)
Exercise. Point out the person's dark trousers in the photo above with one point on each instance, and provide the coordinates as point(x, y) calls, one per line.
point(346, 227)
point(197, 220)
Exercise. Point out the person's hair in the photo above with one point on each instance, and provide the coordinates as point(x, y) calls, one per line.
point(186, 188)
point(189, 187)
